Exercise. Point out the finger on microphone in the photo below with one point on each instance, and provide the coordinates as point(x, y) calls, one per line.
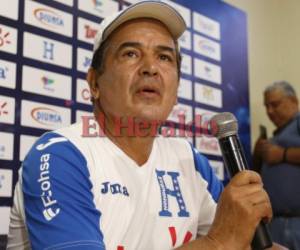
point(246, 177)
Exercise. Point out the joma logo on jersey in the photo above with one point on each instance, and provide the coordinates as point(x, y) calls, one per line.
point(114, 188)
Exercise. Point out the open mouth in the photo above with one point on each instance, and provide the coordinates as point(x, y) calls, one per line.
point(148, 91)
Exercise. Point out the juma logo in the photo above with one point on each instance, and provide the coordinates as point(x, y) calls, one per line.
point(48, 83)
point(3, 110)
point(48, 17)
point(4, 38)
point(46, 116)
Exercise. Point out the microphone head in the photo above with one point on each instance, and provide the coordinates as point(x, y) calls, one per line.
point(223, 125)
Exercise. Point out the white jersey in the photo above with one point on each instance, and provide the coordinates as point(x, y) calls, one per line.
point(82, 193)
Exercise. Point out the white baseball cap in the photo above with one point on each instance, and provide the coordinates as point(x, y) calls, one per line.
point(145, 9)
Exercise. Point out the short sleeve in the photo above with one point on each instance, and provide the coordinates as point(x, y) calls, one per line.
point(59, 207)
point(215, 186)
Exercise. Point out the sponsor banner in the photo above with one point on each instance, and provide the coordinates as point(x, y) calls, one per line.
point(4, 218)
point(7, 74)
point(218, 168)
point(207, 71)
point(26, 142)
point(46, 83)
point(208, 145)
point(205, 114)
point(185, 12)
point(10, 10)
point(6, 146)
point(48, 18)
point(83, 94)
point(47, 50)
point(207, 47)
point(181, 110)
point(6, 176)
point(86, 30)
point(186, 64)
point(66, 2)
point(185, 89)
point(8, 38)
point(80, 113)
point(206, 25)
point(185, 41)
point(44, 116)
point(208, 95)
point(7, 109)
point(84, 59)
point(98, 8)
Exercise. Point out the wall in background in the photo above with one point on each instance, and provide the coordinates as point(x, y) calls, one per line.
point(273, 50)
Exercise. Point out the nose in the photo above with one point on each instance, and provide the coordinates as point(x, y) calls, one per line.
point(270, 111)
point(148, 67)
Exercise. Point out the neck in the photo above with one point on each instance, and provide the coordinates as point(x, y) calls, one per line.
point(135, 142)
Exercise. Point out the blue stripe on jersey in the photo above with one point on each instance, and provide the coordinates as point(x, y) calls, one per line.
point(59, 207)
point(215, 187)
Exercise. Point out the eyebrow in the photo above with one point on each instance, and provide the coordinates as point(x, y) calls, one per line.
point(139, 45)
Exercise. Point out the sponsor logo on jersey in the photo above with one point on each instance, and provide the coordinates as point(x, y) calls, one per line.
point(50, 142)
point(51, 208)
point(48, 17)
point(114, 188)
point(46, 116)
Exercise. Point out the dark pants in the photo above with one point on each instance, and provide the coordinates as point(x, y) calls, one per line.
point(286, 231)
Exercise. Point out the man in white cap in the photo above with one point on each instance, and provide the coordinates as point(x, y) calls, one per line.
point(130, 189)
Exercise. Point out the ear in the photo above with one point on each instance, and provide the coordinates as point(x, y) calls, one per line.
point(176, 101)
point(92, 81)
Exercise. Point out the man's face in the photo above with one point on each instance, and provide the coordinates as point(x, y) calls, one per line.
point(140, 77)
point(280, 108)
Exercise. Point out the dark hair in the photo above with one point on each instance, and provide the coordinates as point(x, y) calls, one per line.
point(99, 56)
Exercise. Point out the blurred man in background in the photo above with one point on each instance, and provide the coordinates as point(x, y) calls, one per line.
point(278, 161)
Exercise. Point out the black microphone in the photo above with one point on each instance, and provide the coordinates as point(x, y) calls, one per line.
point(224, 126)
